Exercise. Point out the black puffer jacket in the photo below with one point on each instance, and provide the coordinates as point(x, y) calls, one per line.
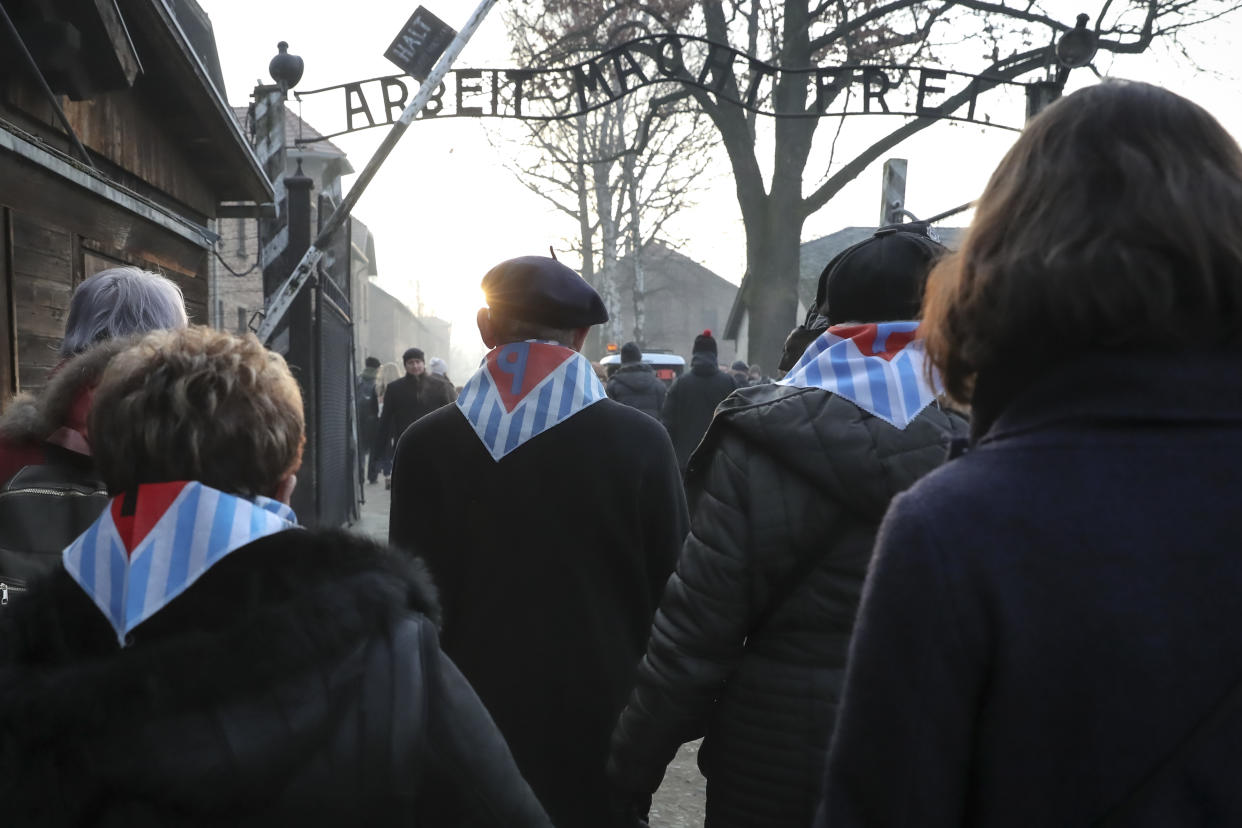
point(636, 385)
point(785, 477)
point(691, 402)
point(299, 681)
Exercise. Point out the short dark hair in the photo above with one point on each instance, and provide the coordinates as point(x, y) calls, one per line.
point(372, 362)
point(1114, 222)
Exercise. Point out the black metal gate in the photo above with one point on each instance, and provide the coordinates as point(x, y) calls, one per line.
point(336, 459)
point(316, 339)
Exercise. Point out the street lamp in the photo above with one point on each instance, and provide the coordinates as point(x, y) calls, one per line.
point(286, 69)
point(1075, 49)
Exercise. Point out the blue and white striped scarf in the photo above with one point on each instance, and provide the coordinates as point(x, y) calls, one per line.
point(525, 388)
point(878, 367)
point(197, 530)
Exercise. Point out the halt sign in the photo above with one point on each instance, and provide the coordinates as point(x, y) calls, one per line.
point(420, 43)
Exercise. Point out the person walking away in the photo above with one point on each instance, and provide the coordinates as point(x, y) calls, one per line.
point(693, 398)
point(198, 659)
point(635, 383)
point(439, 368)
point(367, 398)
point(1049, 630)
point(740, 374)
point(414, 395)
point(788, 488)
point(388, 374)
point(49, 488)
point(550, 517)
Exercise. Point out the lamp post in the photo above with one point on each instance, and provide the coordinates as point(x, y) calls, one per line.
point(1075, 49)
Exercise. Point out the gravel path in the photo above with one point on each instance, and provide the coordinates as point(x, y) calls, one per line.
point(680, 801)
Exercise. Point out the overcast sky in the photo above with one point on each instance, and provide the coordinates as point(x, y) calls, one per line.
point(444, 209)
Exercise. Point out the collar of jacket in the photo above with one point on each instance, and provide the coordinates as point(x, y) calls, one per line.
point(1187, 387)
point(704, 364)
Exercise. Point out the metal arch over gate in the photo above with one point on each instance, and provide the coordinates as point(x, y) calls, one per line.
point(558, 93)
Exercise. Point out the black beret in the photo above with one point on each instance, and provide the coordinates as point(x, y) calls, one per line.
point(412, 353)
point(543, 291)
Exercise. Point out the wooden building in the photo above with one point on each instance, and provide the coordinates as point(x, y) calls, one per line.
point(121, 158)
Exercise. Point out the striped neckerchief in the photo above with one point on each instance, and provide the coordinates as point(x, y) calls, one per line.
point(878, 367)
point(149, 546)
point(523, 389)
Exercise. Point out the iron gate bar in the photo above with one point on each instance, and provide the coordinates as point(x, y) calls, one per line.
point(284, 296)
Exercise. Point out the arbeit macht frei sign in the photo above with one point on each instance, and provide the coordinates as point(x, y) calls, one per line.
point(565, 92)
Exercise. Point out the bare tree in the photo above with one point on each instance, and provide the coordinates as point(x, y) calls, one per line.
point(622, 170)
point(796, 34)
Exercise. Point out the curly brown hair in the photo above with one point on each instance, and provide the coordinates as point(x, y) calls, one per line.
point(198, 404)
point(1114, 222)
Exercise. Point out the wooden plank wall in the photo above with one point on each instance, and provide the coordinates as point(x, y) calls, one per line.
point(54, 229)
point(8, 375)
point(43, 280)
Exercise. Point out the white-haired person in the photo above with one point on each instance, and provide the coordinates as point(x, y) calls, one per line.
point(198, 659)
point(51, 491)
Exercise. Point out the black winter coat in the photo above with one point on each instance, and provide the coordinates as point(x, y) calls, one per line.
point(298, 681)
point(550, 563)
point(1050, 631)
point(637, 386)
point(748, 647)
point(691, 401)
point(406, 400)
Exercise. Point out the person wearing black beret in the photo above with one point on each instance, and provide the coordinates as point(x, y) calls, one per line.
point(550, 517)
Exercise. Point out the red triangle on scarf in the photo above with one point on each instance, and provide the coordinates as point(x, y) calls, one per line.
point(518, 367)
point(864, 336)
point(151, 502)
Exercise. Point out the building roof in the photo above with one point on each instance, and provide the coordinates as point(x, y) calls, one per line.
point(196, 111)
point(677, 267)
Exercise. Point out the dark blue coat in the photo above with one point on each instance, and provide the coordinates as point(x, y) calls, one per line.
point(1050, 615)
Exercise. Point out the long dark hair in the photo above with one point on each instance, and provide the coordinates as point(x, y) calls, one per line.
point(1114, 222)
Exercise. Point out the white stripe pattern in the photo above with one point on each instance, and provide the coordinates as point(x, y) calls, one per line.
point(480, 403)
point(895, 390)
point(96, 560)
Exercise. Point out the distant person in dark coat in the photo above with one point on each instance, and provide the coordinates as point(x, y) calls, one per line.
point(550, 517)
point(788, 488)
point(635, 383)
point(415, 395)
point(197, 659)
point(367, 400)
point(1049, 633)
point(740, 373)
point(694, 396)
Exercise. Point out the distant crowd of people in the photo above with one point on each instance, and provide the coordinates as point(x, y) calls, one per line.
point(969, 560)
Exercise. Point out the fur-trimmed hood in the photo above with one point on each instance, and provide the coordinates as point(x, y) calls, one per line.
point(221, 695)
point(33, 417)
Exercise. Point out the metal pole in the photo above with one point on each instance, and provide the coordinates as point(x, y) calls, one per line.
point(947, 213)
point(285, 294)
